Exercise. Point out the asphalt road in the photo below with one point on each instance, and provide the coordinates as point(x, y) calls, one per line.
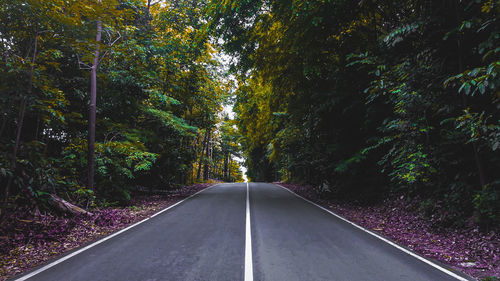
point(204, 239)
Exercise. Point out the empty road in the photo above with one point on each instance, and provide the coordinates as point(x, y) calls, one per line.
point(207, 237)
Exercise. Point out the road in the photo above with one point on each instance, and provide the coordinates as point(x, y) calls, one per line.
point(204, 238)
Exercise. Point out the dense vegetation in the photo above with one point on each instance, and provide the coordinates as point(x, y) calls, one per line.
point(371, 98)
point(388, 102)
point(147, 72)
point(362, 99)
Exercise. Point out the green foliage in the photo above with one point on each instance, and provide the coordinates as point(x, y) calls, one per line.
point(487, 204)
point(476, 129)
point(370, 97)
point(167, 119)
point(362, 98)
point(157, 94)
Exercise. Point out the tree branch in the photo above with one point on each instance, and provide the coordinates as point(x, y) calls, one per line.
point(80, 63)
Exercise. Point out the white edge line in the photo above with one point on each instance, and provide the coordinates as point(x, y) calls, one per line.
point(382, 238)
point(248, 242)
point(27, 276)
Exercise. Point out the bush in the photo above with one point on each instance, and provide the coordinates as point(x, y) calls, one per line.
point(487, 204)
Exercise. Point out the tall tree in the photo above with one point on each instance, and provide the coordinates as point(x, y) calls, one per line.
point(92, 106)
point(370, 97)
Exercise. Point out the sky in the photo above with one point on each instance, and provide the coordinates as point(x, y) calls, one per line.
point(229, 110)
point(224, 62)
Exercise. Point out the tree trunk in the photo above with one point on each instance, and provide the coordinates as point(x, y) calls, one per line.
point(92, 109)
point(198, 174)
point(66, 207)
point(37, 127)
point(206, 169)
point(20, 122)
point(479, 166)
point(477, 158)
point(195, 145)
point(226, 159)
point(5, 117)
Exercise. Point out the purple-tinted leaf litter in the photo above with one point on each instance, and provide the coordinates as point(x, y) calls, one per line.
point(29, 238)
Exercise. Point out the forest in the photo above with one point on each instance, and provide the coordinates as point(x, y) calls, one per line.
point(366, 99)
point(148, 73)
point(104, 101)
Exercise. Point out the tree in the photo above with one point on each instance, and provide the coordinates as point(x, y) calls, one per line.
point(368, 99)
point(153, 65)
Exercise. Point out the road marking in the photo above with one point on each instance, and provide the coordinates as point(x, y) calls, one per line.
point(248, 243)
point(56, 262)
point(436, 266)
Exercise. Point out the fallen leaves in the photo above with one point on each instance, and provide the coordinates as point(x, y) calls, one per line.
point(30, 238)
